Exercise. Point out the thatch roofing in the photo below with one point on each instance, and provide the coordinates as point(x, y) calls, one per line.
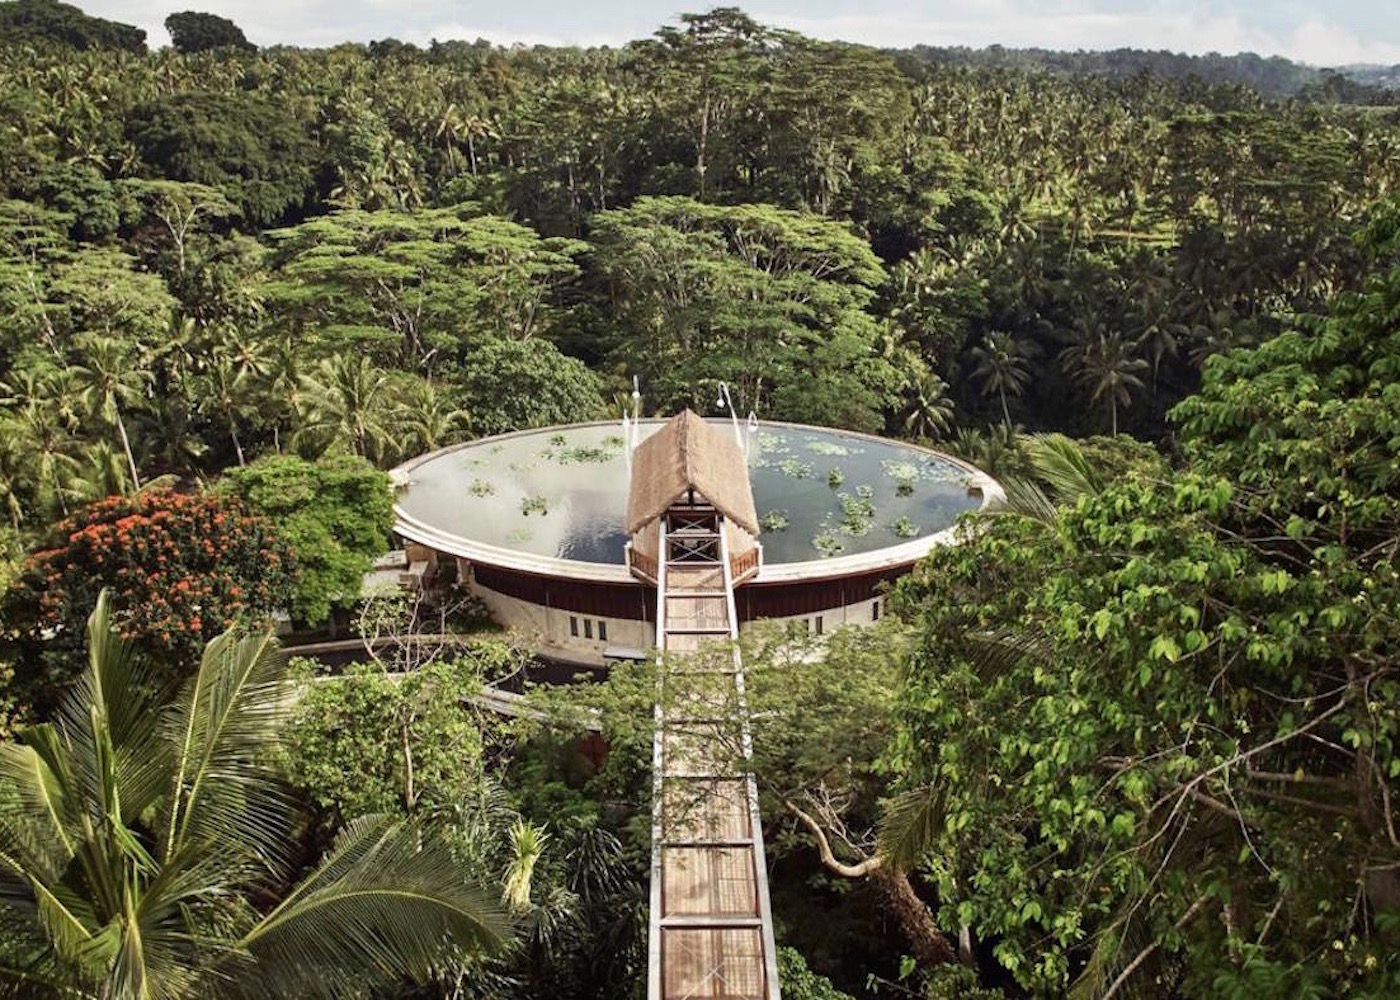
point(688, 454)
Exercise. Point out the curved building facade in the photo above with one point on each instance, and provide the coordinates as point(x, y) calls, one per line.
point(537, 525)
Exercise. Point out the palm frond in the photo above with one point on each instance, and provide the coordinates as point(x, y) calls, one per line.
point(227, 716)
point(1027, 499)
point(527, 845)
point(386, 902)
point(1060, 462)
point(995, 651)
point(107, 725)
point(37, 803)
point(909, 825)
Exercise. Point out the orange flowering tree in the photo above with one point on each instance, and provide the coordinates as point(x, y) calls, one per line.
point(181, 569)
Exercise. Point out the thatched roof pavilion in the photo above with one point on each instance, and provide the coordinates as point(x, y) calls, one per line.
point(691, 463)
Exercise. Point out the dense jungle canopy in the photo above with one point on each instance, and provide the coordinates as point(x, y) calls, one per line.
point(1137, 737)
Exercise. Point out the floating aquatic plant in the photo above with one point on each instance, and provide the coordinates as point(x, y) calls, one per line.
point(794, 469)
point(534, 505)
point(828, 543)
point(905, 528)
point(775, 520)
point(857, 512)
point(835, 478)
point(481, 488)
point(828, 448)
point(584, 454)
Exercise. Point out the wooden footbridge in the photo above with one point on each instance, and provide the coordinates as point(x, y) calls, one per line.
point(693, 525)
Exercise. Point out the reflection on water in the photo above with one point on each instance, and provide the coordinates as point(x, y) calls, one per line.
point(818, 493)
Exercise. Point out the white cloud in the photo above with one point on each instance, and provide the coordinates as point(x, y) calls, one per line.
point(1314, 42)
point(507, 37)
point(1341, 32)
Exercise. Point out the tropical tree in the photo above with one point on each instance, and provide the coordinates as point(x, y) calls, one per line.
point(1002, 367)
point(109, 380)
point(1106, 365)
point(349, 402)
point(181, 568)
point(136, 833)
point(41, 429)
point(508, 385)
point(336, 514)
point(928, 412)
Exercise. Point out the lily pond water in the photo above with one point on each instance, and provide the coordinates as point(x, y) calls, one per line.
point(563, 493)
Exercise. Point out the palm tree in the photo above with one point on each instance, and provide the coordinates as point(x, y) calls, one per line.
point(1106, 365)
point(229, 388)
point(928, 412)
point(282, 383)
point(349, 401)
point(135, 833)
point(1001, 367)
point(426, 417)
point(108, 381)
point(40, 427)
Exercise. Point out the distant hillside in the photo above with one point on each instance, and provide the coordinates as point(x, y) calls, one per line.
point(1273, 76)
point(1374, 76)
point(46, 21)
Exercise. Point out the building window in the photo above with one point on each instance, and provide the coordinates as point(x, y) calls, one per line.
point(602, 631)
point(588, 628)
point(573, 626)
point(875, 610)
point(819, 624)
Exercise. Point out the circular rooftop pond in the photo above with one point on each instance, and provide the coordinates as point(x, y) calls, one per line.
point(562, 492)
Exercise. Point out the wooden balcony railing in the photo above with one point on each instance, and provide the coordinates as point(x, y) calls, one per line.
point(641, 564)
point(744, 564)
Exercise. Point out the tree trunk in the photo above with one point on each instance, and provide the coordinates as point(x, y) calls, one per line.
point(126, 446)
point(237, 448)
point(1005, 413)
point(929, 945)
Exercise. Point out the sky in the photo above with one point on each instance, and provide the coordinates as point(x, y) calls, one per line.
point(1330, 33)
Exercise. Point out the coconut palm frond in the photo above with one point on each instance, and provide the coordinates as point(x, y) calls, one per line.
point(1060, 462)
point(386, 900)
point(527, 845)
point(994, 652)
point(220, 727)
point(1027, 499)
point(909, 825)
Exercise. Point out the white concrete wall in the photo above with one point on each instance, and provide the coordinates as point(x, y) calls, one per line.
point(860, 613)
point(549, 631)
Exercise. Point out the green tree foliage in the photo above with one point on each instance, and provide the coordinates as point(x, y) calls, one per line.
point(401, 734)
point(138, 832)
point(335, 514)
point(508, 385)
point(181, 569)
point(767, 300)
point(53, 22)
point(1162, 722)
point(373, 742)
point(800, 983)
point(192, 31)
point(419, 288)
point(247, 147)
